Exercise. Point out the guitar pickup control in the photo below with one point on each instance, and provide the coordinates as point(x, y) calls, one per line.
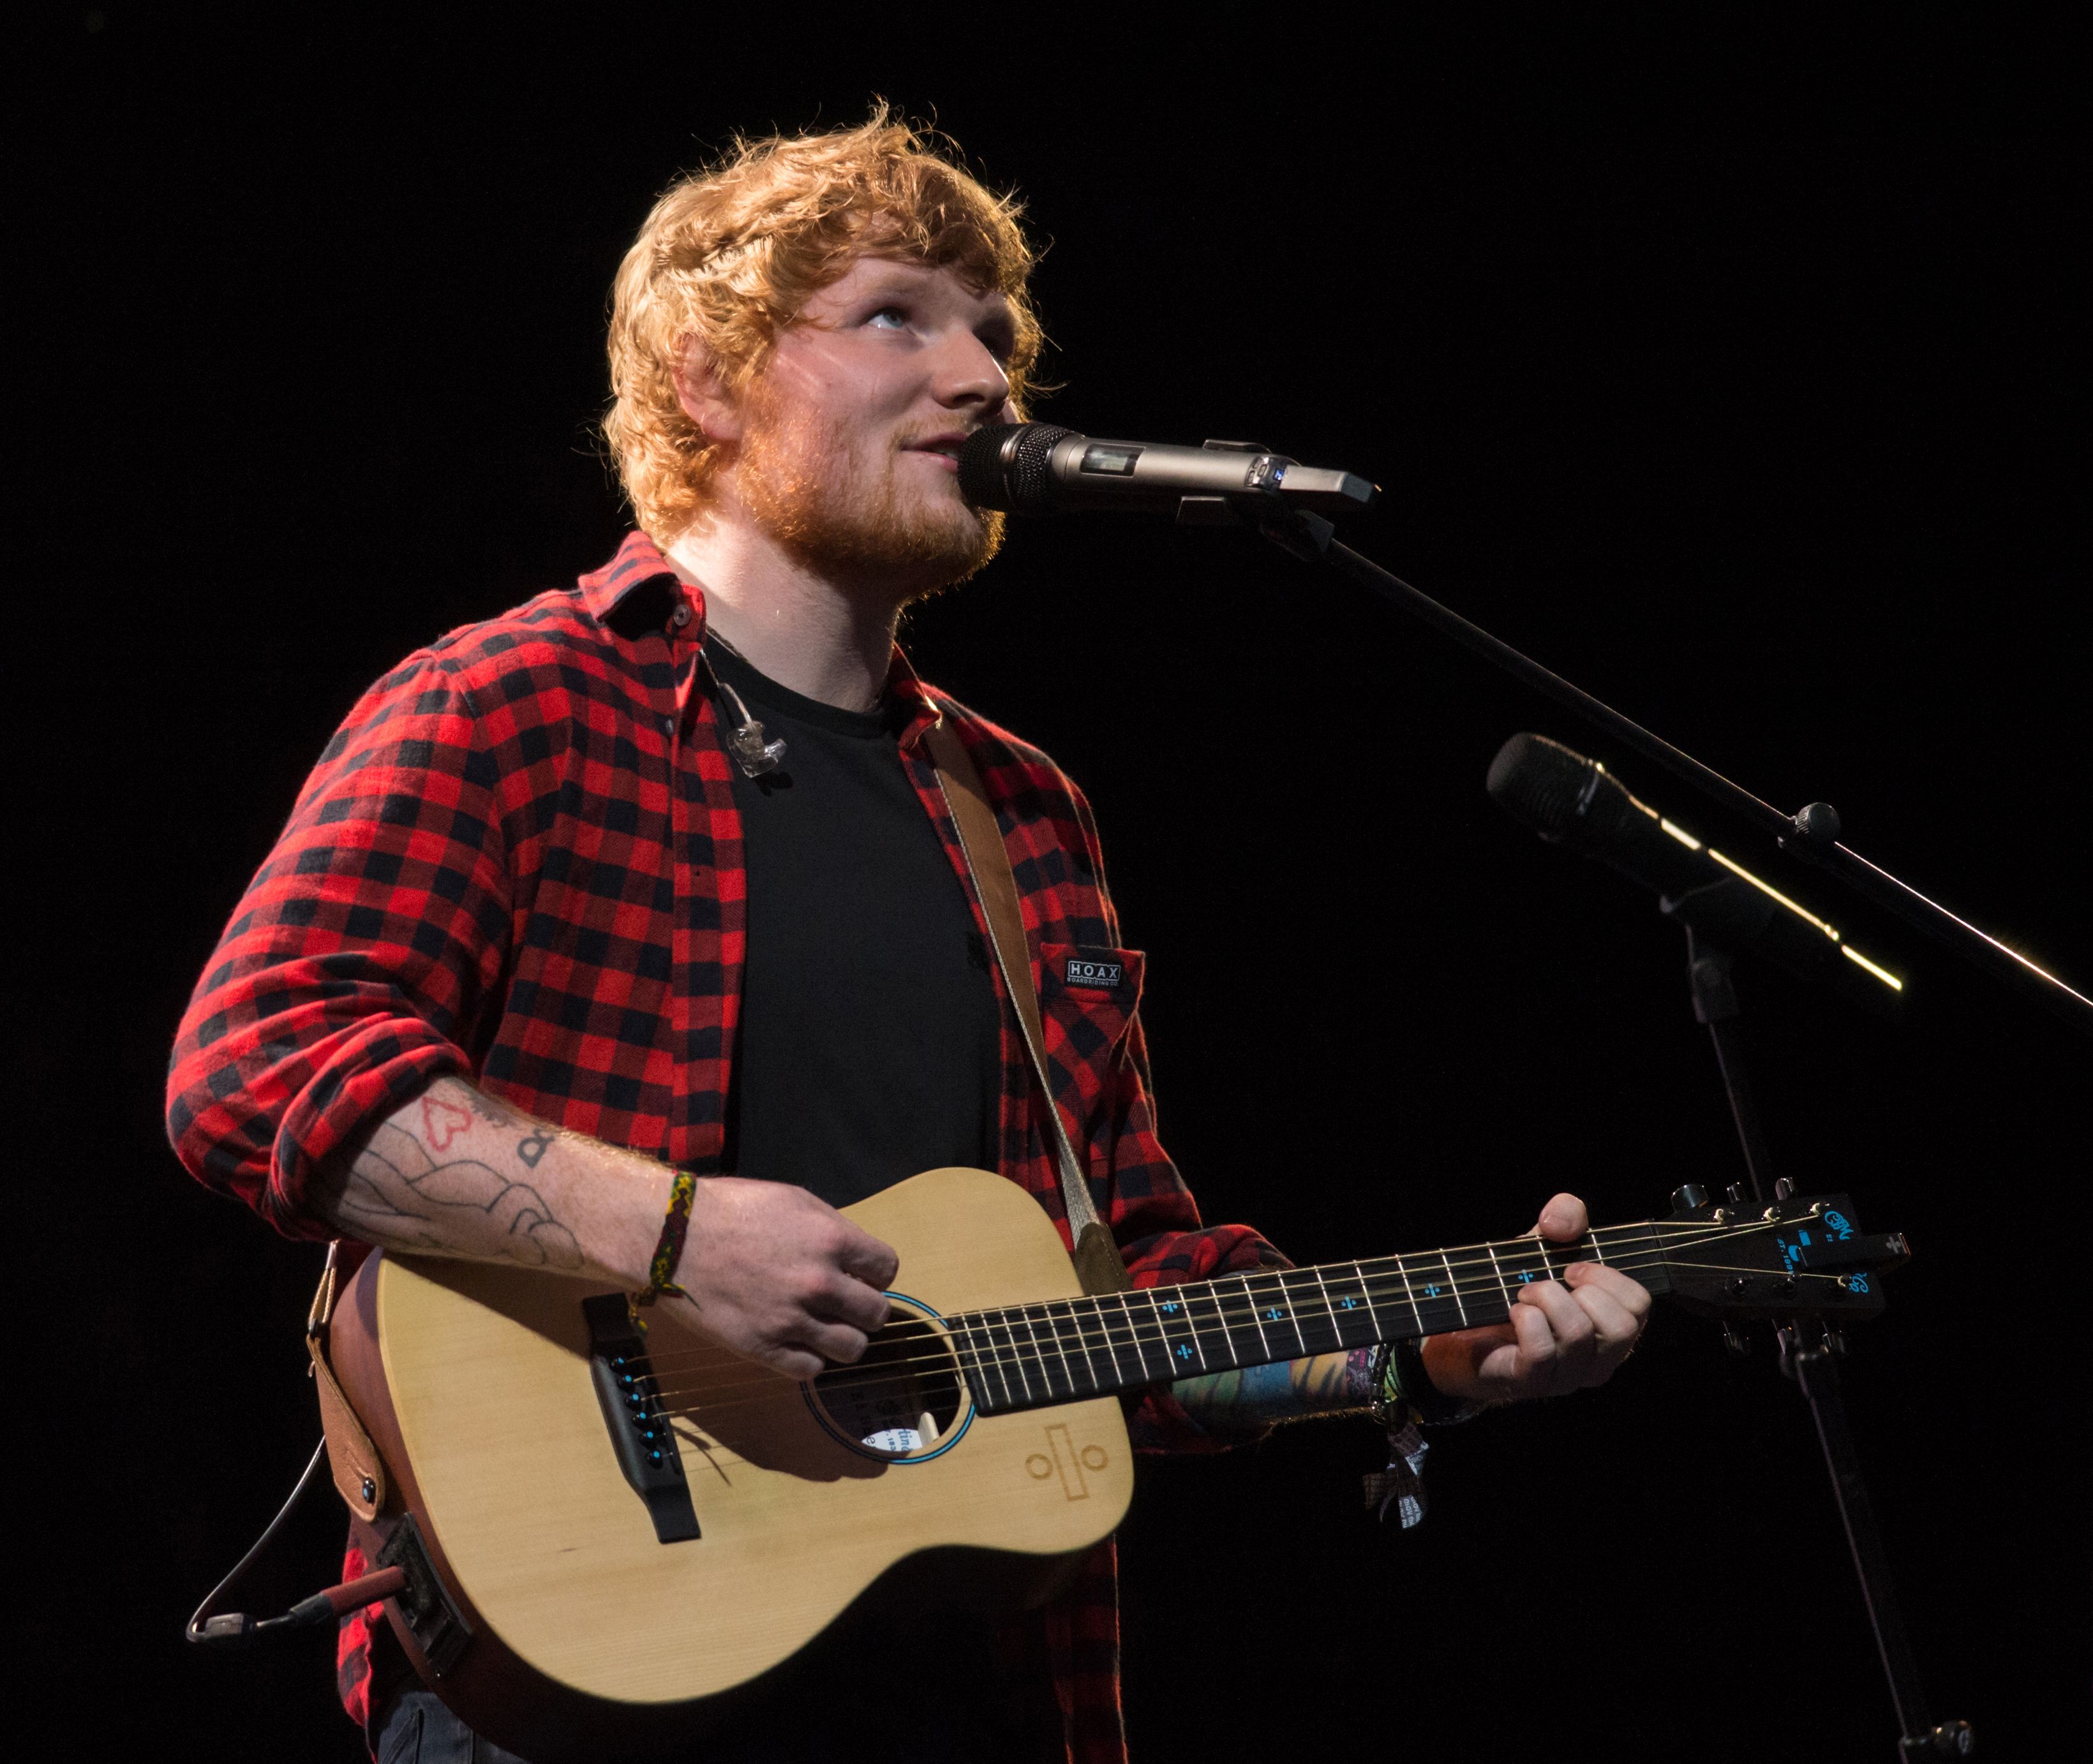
point(629, 1398)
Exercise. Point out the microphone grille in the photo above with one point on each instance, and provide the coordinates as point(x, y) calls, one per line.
point(1540, 782)
point(1004, 466)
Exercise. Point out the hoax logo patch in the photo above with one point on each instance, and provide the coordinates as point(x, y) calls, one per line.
point(1098, 976)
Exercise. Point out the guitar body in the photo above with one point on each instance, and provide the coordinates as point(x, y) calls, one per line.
point(476, 1384)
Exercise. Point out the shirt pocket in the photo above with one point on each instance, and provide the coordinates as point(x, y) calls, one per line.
point(1088, 995)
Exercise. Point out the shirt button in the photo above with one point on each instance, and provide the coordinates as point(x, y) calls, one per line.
point(681, 617)
point(668, 725)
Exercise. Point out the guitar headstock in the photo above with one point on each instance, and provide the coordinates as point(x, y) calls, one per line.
point(1803, 1254)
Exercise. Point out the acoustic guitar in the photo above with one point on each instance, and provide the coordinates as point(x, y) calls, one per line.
point(604, 1532)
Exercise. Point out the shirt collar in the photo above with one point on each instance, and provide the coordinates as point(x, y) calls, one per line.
point(638, 590)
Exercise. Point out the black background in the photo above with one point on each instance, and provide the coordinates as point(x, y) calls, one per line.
point(1725, 366)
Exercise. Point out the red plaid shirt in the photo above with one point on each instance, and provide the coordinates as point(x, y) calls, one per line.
point(518, 861)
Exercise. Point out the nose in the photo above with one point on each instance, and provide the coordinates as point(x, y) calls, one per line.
point(969, 377)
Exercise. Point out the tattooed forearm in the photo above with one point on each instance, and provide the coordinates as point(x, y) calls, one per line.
point(456, 1173)
point(1328, 1384)
point(400, 1193)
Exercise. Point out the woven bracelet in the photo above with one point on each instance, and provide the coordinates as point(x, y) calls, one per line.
point(669, 1250)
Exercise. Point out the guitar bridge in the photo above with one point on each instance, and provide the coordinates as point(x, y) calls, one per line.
point(639, 1432)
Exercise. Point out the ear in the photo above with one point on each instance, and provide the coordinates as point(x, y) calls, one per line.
point(704, 399)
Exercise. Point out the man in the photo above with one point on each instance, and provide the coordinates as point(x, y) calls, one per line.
point(555, 916)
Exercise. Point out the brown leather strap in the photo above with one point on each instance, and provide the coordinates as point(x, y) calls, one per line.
point(359, 1472)
point(1097, 1261)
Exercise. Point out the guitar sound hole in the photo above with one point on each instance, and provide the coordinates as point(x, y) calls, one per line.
point(902, 1399)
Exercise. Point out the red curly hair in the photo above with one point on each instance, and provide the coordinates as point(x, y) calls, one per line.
point(729, 255)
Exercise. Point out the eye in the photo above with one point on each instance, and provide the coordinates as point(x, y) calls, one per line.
point(890, 319)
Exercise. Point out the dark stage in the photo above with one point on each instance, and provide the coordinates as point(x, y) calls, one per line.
point(1725, 367)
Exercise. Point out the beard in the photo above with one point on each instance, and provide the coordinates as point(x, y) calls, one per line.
point(840, 508)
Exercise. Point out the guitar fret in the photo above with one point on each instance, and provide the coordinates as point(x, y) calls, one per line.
point(993, 1360)
point(970, 1363)
point(1520, 1249)
point(1336, 1328)
point(1016, 1362)
point(1263, 1341)
point(1294, 1312)
point(1437, 1311)
point(1410, 1294)
point(1039, 1355)
point(1104, 1329)
point(1377, 1330)
point(1453, 1280)
point(1497, 1268)
point(1212, 1327)
point(1133, 1336)
point(1056, 1325)
point(1086, 1353)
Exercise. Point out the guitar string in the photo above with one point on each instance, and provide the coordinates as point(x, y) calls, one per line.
point(952, 1361)
point(1239, 1307)
point(1228, 1310)
point(675, 1405)
point(1231, 1314)
point(1383, 1273)
point(711, 1450)
point(1129, 1331)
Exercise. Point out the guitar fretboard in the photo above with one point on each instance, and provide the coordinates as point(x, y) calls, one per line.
point(1027, 1356)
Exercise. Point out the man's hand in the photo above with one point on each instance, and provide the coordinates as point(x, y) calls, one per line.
point(780, 1276)
point(1566, 1335)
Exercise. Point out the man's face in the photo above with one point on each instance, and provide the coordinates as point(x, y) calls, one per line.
point(846, 454)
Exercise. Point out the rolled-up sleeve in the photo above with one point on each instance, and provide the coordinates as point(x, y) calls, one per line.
point(362, 957)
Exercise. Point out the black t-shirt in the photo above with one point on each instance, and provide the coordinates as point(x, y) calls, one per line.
point(870, 1049)
point(869, 1042)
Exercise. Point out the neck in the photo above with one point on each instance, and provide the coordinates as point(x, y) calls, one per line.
point(826, 636)
point(1030, 1355)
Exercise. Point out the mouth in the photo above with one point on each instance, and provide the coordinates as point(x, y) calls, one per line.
point(945, 448)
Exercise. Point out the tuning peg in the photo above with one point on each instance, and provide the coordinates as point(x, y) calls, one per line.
point(1687, 1198)
point(1783, 1188)
point(1735, 1340)
point(1835, 1340)
point(1735, 1191)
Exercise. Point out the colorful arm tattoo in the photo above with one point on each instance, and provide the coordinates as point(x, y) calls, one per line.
point(1289, 1391)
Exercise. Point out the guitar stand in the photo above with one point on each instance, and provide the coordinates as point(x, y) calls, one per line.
point(1808, 1355)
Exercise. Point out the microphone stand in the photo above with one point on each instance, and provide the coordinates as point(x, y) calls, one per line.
point(1808, 1356)
point(1807, 1348)
point(1812, 834)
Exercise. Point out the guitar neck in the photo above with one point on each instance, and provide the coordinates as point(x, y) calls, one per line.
point(1028, 1356)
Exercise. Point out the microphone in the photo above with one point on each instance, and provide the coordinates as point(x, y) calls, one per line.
point(1037, 468)
point(1575, 802)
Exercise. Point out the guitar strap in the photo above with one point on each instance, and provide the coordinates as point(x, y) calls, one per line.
point(1098, 1262)
point(359, 1472)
